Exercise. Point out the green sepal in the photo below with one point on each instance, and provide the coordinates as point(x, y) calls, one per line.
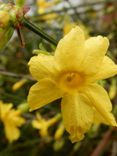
point(5, 35)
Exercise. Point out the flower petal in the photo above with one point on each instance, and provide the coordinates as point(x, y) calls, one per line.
point(108, 69)
point(12, 133)
point(15, 118)
point(43, 93)
point(95, 50)
point(69, 52)
point(77, 115)
point(36, 124)
point(42, 66)
point(100, 101)
point(4, 109)
point(98, 119)
point(77, 138)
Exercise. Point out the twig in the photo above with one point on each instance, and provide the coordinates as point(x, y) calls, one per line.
point(102, 144)
point(21, 38)
point(114, 149)
point(6, 73)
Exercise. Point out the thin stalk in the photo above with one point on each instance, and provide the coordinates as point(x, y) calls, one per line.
point(6, 73)
point(38, 31)
point(21, 38)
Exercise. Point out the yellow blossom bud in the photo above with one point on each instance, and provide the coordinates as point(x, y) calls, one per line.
point(19, 84)
point(113, 89)
point(4, 18)
point(10, 16)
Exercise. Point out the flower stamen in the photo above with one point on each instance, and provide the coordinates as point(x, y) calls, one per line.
point(71, 80)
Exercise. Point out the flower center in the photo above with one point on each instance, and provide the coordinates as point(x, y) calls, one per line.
point(71, 80)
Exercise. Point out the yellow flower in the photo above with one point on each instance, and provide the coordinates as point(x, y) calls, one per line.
point(43, 124)
point(43, 5)
point(85, 28)
point(8, 21)
point(11, 120)
point(71, 74)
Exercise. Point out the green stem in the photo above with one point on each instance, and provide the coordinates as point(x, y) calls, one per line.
point(6, 73)
point(38, 31)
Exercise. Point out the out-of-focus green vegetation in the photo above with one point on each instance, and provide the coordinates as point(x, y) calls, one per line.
point(95, 18)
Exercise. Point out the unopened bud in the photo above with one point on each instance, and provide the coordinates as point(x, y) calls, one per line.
point(4, 18)
point(23, 107)
point(11, 16)
point(113, 89)
point(19, 84)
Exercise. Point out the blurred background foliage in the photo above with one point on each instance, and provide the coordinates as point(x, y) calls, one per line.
point(43, 132)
